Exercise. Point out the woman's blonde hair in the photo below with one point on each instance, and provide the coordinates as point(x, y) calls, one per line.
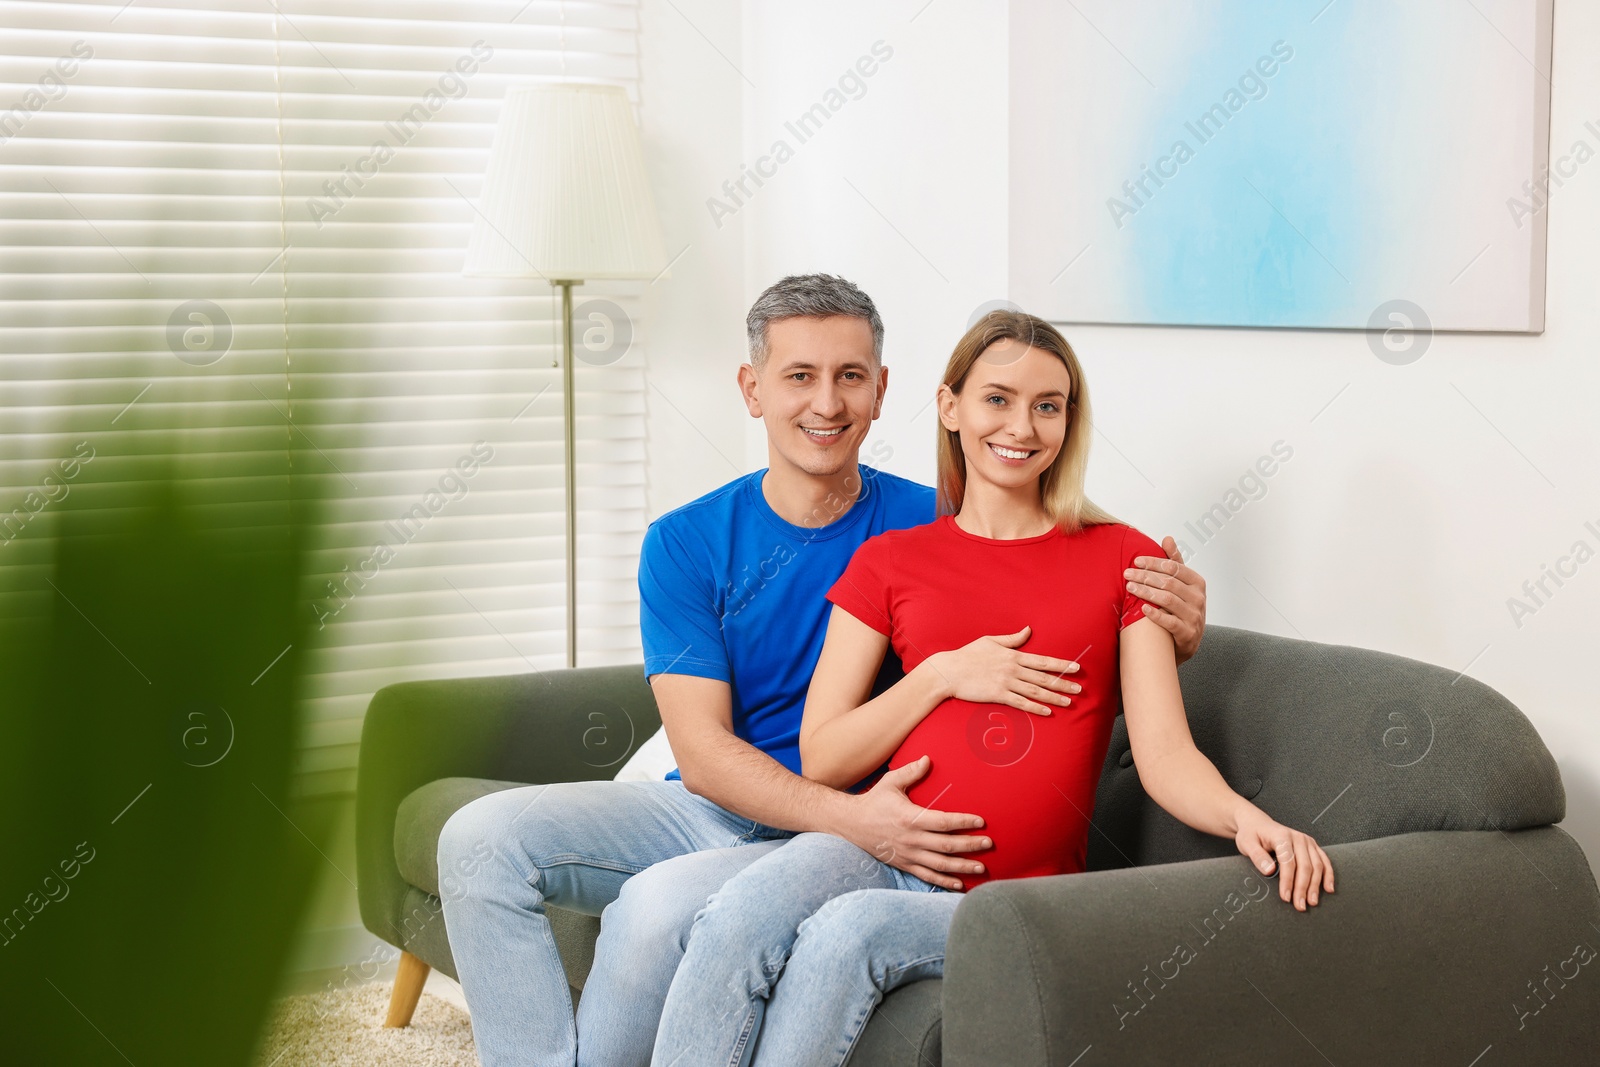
point(1061, 485)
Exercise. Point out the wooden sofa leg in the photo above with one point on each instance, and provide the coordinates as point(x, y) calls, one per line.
point(408, 981)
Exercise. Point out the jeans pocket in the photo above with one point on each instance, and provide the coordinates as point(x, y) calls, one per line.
point(773, 833)
point(762, 832)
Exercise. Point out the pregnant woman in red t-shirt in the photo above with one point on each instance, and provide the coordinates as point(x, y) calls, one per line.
point(786, 963)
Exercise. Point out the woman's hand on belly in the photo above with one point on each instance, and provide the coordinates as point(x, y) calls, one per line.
point(993, 670)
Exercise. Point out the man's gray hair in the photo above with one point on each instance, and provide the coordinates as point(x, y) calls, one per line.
point(809, 296)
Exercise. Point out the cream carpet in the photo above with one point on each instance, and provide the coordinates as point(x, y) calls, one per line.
point(345, 1028)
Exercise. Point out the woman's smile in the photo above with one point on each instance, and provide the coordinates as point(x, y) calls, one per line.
point(1011, 457)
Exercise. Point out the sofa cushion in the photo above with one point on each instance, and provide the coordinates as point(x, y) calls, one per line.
point(905, 1030)
point(1346, 744)
point(417, 825)
point(420, 820)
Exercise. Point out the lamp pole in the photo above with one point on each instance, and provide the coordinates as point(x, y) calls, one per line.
point(569, 420)
point(566, 178)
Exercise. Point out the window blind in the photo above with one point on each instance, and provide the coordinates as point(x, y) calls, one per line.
point(233, 229)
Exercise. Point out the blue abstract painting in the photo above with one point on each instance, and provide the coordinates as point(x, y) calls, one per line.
point(1292, 164)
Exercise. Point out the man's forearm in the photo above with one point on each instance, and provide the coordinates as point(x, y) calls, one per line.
point(738, 776)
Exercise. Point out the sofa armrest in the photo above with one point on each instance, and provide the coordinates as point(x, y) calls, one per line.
point(555, 726)
point(1435, 946)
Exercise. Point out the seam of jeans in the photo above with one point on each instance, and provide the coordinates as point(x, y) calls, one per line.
point(564, 859)
point(570, 1014)
point(744, 1039)
point(858, 1028)
point(902, 968)
point(716, 811)
point(692, 835)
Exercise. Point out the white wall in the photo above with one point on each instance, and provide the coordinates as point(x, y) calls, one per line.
point(1414, 505)
point(693, 331)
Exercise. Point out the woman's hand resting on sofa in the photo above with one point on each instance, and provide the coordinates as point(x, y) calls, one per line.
point(1178, 776)
point(1303, 868)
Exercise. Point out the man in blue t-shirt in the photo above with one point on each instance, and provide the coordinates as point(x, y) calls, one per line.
point(732, 616)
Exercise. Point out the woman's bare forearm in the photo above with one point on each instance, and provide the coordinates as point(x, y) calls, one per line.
point(848, 747)
point(1189, 787)
point(1175, 774)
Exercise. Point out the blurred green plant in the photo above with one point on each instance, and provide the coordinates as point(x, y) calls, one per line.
point(156, 866)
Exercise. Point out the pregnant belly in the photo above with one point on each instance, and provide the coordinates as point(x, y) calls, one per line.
point(1031, 778)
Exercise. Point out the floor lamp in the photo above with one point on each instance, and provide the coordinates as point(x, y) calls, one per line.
point(566, 200)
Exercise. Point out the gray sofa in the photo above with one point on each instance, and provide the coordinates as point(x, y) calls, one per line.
point(1464, 925)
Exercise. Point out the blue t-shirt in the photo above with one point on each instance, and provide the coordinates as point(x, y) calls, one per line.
point(729, 590)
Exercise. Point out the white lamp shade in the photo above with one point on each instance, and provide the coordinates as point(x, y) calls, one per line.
point(565, 195)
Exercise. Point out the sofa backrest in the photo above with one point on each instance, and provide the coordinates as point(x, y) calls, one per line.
point(1345, 744)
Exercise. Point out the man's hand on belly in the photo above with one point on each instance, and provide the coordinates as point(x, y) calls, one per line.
point(887, 824)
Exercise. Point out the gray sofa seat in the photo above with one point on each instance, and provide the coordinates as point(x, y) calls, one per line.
point(1431, 792)
point(1429, 953)
point(417, 825)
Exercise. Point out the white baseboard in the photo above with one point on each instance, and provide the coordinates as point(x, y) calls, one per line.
point(333, 947)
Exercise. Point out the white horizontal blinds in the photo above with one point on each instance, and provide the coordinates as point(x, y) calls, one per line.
point(426, 405)
point(122, 198)
point(438, 395)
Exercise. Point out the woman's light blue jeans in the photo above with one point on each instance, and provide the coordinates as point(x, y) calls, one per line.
point(790, 957)
point(581, 846)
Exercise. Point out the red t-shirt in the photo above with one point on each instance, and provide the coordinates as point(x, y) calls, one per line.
point(1032, 778)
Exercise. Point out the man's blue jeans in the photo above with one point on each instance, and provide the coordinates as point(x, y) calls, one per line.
point(790, 957)
point(581, 846)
